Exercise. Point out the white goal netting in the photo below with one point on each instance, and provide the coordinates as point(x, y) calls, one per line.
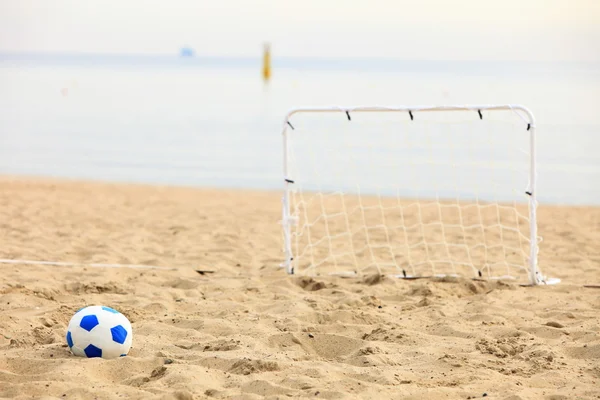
point(411, 192)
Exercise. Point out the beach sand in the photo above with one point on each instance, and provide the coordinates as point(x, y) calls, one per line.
point(247, 330)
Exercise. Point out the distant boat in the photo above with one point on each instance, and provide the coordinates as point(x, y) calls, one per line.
point(186, 52)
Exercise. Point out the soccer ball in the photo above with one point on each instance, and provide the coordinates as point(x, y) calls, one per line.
point(99, 331)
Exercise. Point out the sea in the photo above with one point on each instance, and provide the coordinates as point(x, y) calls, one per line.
point(214, 122)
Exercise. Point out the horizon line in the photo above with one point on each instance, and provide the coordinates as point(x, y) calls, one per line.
point(258, 56)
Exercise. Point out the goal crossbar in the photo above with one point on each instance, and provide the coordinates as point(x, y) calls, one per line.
point(534, 275)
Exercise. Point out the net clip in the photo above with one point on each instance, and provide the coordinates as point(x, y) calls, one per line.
point(290, 124)
point(291, 221)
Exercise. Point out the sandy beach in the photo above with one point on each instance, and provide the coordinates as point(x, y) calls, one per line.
point(246, 330)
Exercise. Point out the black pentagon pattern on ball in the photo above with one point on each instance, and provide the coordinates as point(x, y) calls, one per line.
point(89, 322)
point(69, 339)
point(119, 334)
point(92, 351)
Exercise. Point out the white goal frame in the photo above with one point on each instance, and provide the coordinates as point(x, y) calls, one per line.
point(535, 276)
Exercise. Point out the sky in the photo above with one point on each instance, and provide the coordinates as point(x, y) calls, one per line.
point(539, 30)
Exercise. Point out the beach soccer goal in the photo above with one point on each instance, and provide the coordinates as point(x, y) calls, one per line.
point(411, 192)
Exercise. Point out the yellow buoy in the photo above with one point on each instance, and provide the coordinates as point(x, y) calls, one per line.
point(266, 62)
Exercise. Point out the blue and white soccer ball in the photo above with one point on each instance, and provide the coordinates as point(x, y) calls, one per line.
point(98, 331)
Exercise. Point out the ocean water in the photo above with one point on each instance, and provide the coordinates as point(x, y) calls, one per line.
point(214, 122)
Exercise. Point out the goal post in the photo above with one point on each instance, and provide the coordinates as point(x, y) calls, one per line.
point(411, 192)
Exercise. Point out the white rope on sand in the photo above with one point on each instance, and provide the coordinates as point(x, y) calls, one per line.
point(92, 265)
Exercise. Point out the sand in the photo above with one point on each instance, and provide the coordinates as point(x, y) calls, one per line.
point(248, 331)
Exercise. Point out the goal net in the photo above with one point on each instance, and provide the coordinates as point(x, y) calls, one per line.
point(411, 192)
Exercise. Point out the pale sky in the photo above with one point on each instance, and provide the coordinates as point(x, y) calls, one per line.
point(409, 29)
